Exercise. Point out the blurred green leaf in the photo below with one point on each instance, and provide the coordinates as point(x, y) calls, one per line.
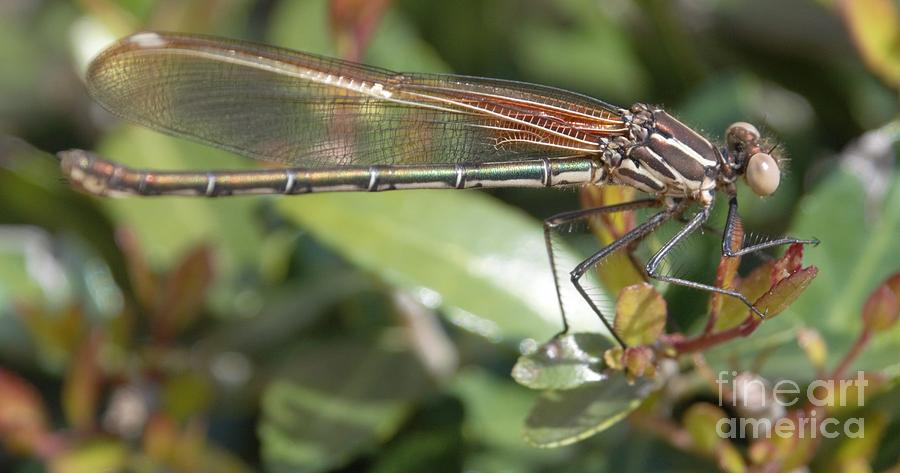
point(186, 394)
point(598, 56)
point(335, 401)
point(495, 408)
point(564, 417)
point(483, 258)
point(640, 314)
point(565, 362)
point(863, 447)
point(700, 421)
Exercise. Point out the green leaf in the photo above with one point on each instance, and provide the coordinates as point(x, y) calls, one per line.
point(485, 261)
point(565, 362)
point(640, 314)
point(337, 400)
point(564, 417)
point(853, 258)
point(186, 394)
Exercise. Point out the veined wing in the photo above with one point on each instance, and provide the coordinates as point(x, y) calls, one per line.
point(305, 110)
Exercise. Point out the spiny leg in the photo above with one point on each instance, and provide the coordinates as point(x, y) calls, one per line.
point(731, 223)
point(653, 265)
point(581, 269)
point(552, 227)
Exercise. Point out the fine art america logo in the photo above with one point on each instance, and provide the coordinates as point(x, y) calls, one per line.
point(762, 409)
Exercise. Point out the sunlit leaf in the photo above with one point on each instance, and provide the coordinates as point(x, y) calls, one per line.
point(640, 314)
point(497, 272)
point(810, 340)
point(565, 362)
point(101, 455)
point(729, 459)
point(875, 27)
point(564, 417)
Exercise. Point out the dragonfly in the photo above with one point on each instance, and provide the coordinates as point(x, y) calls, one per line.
point(335, 125)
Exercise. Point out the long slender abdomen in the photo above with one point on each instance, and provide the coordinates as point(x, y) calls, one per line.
point(103, 177)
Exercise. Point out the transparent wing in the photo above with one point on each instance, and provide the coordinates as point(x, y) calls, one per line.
point(305, 110)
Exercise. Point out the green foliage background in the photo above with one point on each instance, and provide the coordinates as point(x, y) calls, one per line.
point(377, 332)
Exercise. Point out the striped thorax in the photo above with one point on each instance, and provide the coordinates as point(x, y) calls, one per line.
point(666, 158)
point(663, 156)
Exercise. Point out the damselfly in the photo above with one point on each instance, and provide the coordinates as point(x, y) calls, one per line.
point(342, 126)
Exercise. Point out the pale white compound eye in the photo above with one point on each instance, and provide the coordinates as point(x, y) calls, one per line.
point(762, 174)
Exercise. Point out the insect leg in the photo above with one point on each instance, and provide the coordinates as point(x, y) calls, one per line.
point(731, 223)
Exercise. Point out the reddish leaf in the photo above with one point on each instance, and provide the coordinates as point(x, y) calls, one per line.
point(882, 308)
point(353, 22)
point(160, 438)
point(183, 295)
point(773, 286)
point(788, 264)
point(639, 361)
point(143, 281)
point(82, 385)
point(726, 276)
point(785, 292)
point(23, 418)
point(753, 286)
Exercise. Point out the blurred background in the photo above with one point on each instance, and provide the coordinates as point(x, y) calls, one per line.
point(377, 332)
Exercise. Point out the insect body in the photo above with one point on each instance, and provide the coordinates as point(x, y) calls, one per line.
point(343, 126)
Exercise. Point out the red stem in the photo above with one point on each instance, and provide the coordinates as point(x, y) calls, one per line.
point(706, 340)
